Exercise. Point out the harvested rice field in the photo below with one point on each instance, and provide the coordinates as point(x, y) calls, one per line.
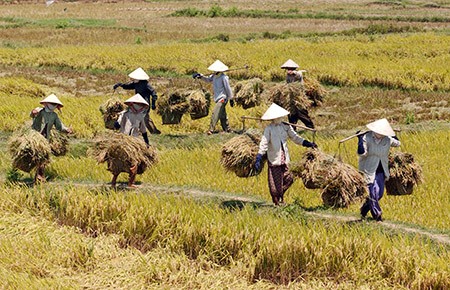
point(200, 215)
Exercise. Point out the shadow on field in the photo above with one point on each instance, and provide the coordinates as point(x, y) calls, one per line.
point(233, 205)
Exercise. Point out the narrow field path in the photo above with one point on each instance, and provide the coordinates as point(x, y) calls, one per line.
point(226, 196)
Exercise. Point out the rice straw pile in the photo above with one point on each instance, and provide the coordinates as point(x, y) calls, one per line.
point(404, 172)
point(239, 154)
point(199, 101)
point(59, 143)
point(341, 184)
point(175, 102)
point(247, 94)
point(121, 152)
point(290, 96)
point(314, 91)
point(111, 110)
point(28, 148)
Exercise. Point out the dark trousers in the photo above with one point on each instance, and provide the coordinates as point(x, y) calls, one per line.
point(302, 115)
point(376, 190)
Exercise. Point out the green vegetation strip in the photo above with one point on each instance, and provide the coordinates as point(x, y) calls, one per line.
point(15, 22)
point(217, 11)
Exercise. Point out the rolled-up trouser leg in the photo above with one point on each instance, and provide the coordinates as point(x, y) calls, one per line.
point(376, 190)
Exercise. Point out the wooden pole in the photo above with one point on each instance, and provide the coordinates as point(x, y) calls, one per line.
point(259, 119)
point(361, 133)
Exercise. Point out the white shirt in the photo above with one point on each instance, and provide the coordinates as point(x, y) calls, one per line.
point(132, 123)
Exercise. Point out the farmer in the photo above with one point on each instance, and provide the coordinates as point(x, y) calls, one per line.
point(274, 143)
point(222, 94)
point(141, 86)
point(132, 123)
point(294, 75)
point(44, 118)
point(373, 151)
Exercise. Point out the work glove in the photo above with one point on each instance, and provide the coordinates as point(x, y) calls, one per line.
point(361, 149)
point(196, 75)
point(117, 85)
point(308, 144)
point(116, 125)
point(257, 165)
point(232, 102)
point(153, 105)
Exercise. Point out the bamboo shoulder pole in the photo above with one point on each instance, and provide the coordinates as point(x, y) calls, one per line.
point(294, 125)
point(362, 133)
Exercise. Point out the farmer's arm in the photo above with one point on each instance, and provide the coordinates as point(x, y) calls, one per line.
point(129, 86)
point(362, 145)
point(294, 136)
point(227, 88)
point(60, 126)
point(395, 142)
point(264, 144)
point(37, 119)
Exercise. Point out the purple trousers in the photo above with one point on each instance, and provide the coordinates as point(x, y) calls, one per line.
point(376, 190)
point(280, 179)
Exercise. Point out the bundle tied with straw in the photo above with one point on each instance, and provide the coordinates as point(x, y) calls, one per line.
point(247, 94)
point(199, 103)
point(59, 143)
point(404, 173)
point(314, 91)
point(172, 105)
point(239, 154)
point(111, 110)
point(341, 184)
point(121, 152)
point(290, 96)
point(28, 148)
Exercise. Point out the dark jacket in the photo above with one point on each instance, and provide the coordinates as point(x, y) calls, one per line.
point(143, 88)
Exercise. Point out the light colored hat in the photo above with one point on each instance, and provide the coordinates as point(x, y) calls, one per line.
point(137, 99)
point(381, 127)
point(139, 74)
point(274, 112)
point(218, 66)
point(290, 64)
point(52, 99)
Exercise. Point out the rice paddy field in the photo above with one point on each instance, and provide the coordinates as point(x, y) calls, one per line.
point(191, 224)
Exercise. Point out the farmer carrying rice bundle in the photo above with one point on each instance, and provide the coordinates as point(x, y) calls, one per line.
point(44, 119)
point(141, 86)
point(111, 110)
point(341, 184)
point(222, 94)
point(274, 144)
point(126, 152)
point(199, 102)
point(173, 104)
point(239, 153)
point(373, 151)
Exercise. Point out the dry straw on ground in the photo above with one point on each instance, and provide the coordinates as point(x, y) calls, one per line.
point(404, 172)
point(199, 101)
point(247, 94)
point(290, 96)
point(341, 183)
point(111, 110)
point(28, 149)
point(121, 152)
point(239, 154)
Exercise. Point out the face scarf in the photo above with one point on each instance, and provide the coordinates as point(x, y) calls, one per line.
point(50, 107)
point(137, 108)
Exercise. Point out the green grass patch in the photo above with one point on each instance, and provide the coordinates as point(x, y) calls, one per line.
point(59, 23)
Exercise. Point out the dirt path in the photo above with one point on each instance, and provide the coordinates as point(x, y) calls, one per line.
point(230, 197)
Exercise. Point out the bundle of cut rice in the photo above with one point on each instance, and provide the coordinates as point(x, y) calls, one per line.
point(247, 94)
point(121, 152)
point(239, 154)
point(404, 172)
point(199, 101)
point(172, 106)
point(111, 110)
point(290, 96)
point(314, 91)
point(341, 183)
point(28, 148)
point(59, 143)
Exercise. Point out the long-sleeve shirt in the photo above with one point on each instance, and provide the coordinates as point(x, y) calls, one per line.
point(296, 76)
point(44, 121)
point(221, 86)
point(375, 152)
point(143, 88)
point(274, 141)
point(132, 123)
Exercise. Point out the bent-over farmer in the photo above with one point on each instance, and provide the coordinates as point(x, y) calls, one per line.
point(44, 119)
point(141, 86)
point(274, 144)
point(373, 151)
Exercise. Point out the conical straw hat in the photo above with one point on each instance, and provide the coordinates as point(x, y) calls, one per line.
point(138, 99)
point(274, 112)
point(381, 127)
point(290, 64)
point(52, 99)
point(218, 66)
point(139, 74)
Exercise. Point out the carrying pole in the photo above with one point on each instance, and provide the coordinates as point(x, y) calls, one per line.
point(287, 123)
